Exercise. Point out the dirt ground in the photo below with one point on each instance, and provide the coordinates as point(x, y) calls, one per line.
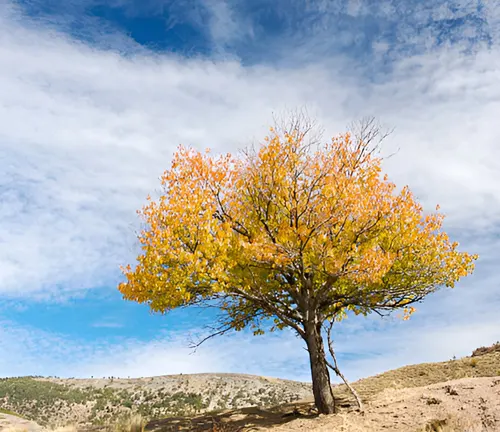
point(463, 405)
point(11, 422)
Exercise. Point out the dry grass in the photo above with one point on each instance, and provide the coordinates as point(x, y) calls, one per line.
point(132, 423)
point(6, 411)
point(223, 427)
point(24, 429)
point(424, 374)
point(450, 423)
point(15, 429)
point(454, 423)
point(486, 350)
point(70, 428)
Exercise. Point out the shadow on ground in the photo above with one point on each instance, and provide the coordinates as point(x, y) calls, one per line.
point(243, 419)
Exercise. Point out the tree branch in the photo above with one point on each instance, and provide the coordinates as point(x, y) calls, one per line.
point(224, 328)
point(336, 369)
point(290, 320)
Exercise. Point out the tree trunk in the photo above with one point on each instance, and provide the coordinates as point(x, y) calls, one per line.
point(322, 390)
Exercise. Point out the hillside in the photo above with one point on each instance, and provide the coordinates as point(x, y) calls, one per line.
point(423, 374)
point(460, 392)
point(55, 401)
point(460, 395)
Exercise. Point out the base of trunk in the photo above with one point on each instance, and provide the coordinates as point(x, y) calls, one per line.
point(322, 390)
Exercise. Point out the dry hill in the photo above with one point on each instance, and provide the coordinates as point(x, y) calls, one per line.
point(55, 401)
point(457, 395)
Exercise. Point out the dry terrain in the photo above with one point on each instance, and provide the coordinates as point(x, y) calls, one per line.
point(457, 395)
point(11, 421)
point(55, 402)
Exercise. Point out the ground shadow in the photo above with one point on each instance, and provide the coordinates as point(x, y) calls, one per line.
point(243, 419)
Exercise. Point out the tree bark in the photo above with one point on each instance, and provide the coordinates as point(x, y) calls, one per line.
point(322, 390)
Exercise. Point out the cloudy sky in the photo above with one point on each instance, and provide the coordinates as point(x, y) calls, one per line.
point(95, 95)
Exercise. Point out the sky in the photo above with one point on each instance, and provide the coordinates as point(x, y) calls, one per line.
point(95, 96)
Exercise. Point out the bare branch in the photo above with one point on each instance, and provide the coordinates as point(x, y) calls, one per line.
point(287, 316)
point(300, 122)
point(336, 369)
point(367, 130)
point(224, 328)
point(194, 345)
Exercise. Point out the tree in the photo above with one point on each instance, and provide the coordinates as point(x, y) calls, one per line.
point(297, 231)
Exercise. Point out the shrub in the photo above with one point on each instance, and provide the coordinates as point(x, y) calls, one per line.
point(486, 350)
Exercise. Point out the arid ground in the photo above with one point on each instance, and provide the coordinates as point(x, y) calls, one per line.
point(457, 395)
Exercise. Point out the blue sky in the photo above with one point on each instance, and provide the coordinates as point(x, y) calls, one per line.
point(95, 96)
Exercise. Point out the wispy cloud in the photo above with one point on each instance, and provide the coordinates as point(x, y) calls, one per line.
point(364, 347)
point(107, 324)
point(381, 31)
point(32, 351)
point(85, 133)
point(302, 31)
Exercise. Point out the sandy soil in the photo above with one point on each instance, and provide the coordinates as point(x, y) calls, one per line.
point(10, 422)
point(465, 405)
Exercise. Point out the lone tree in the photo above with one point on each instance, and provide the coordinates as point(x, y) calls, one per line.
point(297, 231)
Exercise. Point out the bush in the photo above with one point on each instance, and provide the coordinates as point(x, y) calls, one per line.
point(486, 350)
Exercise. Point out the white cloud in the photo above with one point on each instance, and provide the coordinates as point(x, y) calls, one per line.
point(225, 25)
point(431, 339)
point(35, 352)
point(84, 134)
point(364, 346)
point(107, 324)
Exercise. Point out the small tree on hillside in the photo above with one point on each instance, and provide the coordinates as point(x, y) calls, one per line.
point(297, 231)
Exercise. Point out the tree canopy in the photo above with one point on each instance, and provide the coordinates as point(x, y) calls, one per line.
point(297, 230)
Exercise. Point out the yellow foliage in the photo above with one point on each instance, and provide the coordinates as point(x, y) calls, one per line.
point(288, 226)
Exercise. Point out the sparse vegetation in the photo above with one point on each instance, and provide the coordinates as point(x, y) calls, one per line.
point(6, 411)
point(425, 374)
point(486, 350)
point(127, 405)
point(51, 402)
point(166, 403)
point(129, 423)
point(453, 424)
